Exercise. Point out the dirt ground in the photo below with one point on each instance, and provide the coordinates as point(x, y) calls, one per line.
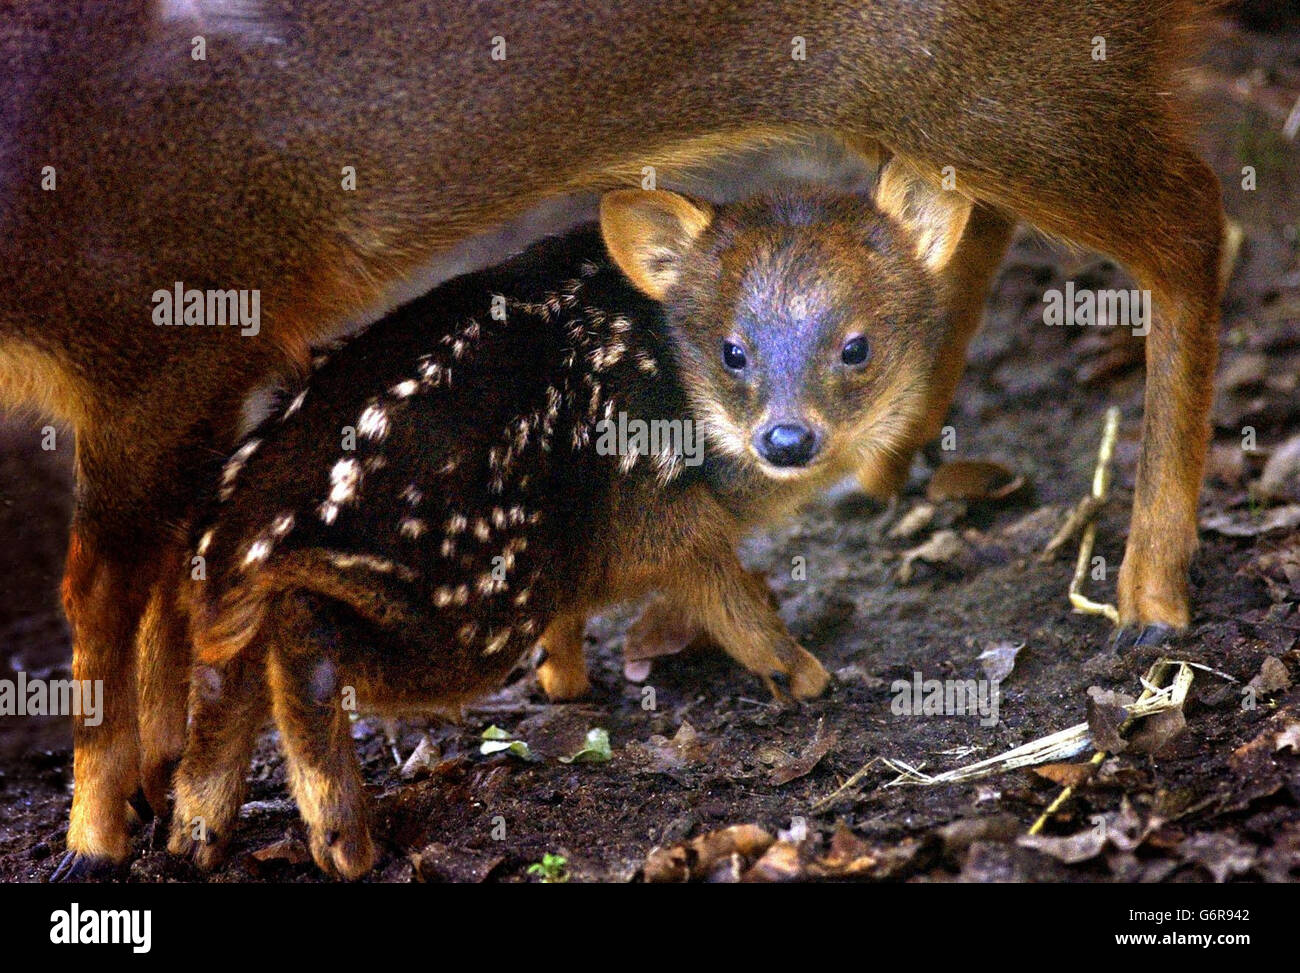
point(1220, 800)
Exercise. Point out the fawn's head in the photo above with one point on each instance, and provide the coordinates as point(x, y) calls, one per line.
point(808, 323)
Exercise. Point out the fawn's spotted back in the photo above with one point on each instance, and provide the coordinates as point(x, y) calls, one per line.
point(438, 467)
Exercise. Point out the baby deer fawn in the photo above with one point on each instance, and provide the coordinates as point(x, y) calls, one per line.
point(320, 153)
point(457, 482)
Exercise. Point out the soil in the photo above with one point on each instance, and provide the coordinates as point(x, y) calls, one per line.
point(697, 746)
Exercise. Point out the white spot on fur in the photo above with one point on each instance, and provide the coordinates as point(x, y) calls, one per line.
point(373, 422)
point(295, 405)
point(257, 552)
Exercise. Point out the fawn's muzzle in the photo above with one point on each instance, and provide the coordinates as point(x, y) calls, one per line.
point(787, 444)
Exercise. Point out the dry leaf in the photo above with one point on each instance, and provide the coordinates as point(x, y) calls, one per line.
point(794, 768)
point(780, 863)
point(972, 480)
point(999, 659)
point(1247, 524)
point(290, 850)
point(942, 548)
point(1067, 775)
point(699, 857)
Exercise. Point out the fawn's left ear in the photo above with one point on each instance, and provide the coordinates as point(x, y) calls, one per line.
point(648, 232)
point(935, 217)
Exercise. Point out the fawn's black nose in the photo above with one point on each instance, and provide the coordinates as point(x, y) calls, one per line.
point(787, 444)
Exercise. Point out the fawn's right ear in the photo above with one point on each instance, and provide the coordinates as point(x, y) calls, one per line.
point(935, 217)
point(648, 232)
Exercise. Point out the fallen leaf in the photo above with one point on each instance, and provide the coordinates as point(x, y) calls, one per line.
point(1155, 733)
point(1247, 524)
point(1280, 732)
point(594, 750)
point(1071, 850)
point(820, 745)
point(972, 480)
point(1219, 854)
point(1280, 479)
point(1067, 775)
point(913, 522)
point(1272, 677)
point(437, 862)
point(957, 836)
point(943, 547)
point(661, 755)
point(497, 740)
point(422, 760)
point(999, 658)
point(290, 850)
point(697, 858)
point(780, 863)
point(1106, 713)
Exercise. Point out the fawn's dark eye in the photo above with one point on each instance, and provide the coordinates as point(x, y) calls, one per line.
point(733, 356)
point(856, 351)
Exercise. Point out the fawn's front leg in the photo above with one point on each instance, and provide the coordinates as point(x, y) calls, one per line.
point(734, 608)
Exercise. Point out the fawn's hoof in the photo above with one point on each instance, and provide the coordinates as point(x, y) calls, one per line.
point(76, 867)
point(345, 854)
point(561, 682)
point(807, 679)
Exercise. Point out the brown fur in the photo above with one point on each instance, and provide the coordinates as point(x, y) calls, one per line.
point(225, 173)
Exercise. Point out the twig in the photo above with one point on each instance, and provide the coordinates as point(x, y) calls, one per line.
point(1061, 745)
point(1176, 690)
point(830, 799)
point(1100, 487)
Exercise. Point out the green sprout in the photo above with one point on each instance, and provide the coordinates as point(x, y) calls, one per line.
point(551, 869)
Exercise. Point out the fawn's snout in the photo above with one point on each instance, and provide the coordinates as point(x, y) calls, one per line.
point(787, 444)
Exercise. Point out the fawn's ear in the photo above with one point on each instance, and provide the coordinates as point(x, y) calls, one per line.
point(935, 217)
point(648, 232)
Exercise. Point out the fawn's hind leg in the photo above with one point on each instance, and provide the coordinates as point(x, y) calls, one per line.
point(307, 701)
point(563, 672)
point(229, 704)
